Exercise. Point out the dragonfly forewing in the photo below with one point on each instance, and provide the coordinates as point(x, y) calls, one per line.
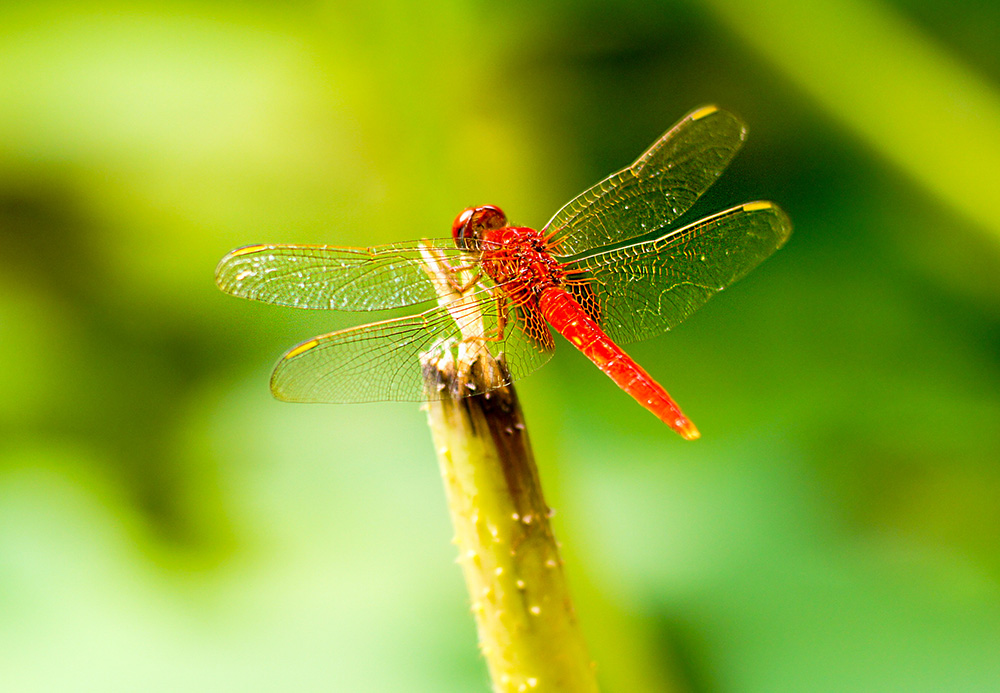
point(330, 277)
point(659, 187)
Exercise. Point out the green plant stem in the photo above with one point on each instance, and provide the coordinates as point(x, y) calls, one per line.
point(528, 631)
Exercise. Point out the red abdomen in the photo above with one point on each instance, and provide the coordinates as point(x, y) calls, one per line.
point(569, 319)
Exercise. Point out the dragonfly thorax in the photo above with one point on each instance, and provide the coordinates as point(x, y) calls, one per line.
point(517, 258)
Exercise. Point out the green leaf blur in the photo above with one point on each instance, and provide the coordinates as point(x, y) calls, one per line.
point(166, 526)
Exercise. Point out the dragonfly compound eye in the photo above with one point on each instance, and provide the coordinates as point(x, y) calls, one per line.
point(460, 227)
point(470, 225)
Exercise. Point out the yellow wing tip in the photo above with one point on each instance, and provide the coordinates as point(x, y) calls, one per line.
point(246, 250)
point(781, 224)
point(305, 346)
point(704, 111)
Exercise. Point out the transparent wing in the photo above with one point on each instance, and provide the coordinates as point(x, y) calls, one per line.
point(321, 276)
point(381, 361)
point(661, 185)
point(644, 289)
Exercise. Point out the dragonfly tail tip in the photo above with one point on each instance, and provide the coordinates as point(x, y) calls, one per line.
point(688, 430)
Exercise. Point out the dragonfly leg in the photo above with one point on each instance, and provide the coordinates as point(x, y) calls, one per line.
point(497, 335)
point(461, 268)
point(454, 271)
point(462, 288)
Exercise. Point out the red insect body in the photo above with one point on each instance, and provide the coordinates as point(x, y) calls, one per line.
point(517, 259)
point(576, 275)
point(568, 318)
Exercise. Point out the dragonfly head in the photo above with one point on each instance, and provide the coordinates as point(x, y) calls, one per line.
point(472, 223)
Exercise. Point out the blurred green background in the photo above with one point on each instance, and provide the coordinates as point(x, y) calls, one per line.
point(166, 526)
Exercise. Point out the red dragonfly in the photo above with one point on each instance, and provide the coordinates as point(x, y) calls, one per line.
point(510, 283)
